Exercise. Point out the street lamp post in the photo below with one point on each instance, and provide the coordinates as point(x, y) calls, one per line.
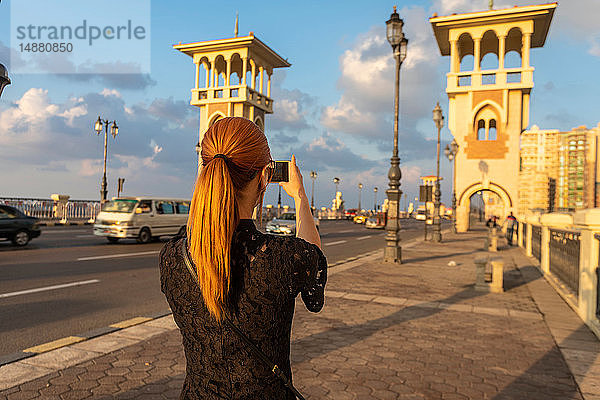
point(450, 152)
point(393, 251)
point(438, 118)
point(313, 176)
point(360, 186)
point(4, 79)
point(375, 200)
point(114, 131)
point(336, 180)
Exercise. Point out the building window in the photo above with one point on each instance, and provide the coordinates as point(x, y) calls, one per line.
point(481, 130)
point(492, 130)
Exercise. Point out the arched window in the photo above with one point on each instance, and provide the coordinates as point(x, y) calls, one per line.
point(481, 130)
point(492, 130)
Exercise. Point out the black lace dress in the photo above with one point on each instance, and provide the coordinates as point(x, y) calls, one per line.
point(268, 272)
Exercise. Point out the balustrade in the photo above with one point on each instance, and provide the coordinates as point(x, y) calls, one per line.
point(564, 257)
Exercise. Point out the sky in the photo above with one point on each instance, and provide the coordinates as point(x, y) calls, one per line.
point(333, 108)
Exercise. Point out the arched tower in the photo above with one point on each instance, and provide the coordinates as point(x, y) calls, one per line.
point(488, 87)
point(233, 78)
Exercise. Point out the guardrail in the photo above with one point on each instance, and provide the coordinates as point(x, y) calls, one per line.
point(564, 257)
point(50, 210)
point(536, 242)
point(568, 249)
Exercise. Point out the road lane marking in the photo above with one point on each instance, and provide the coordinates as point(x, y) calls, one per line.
point(363, 237)
point(143, 253)
point(334, 243)
point(347, 231)
point(46, 288)
point(84, 236)
point(55, 344)
point(130, 322)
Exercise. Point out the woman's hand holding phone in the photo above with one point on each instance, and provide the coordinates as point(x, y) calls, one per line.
point(294, 187)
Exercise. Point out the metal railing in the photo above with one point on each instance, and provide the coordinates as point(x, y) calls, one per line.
point(525, 238)
point(564, 257)
point(47, 209)
point(536, 242)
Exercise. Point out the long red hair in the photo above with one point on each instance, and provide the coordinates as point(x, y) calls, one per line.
point(214, 212)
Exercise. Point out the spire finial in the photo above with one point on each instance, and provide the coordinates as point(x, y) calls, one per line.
point(235, 32)
point(491, 3)
point(394, 8)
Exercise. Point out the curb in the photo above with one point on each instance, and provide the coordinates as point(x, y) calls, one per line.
point(69, 340)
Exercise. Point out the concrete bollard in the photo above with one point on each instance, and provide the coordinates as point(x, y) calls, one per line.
point(497, 285)
point(480, 283)
point(493, 240)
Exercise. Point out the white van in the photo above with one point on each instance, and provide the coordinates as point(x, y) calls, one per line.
point(141, 218)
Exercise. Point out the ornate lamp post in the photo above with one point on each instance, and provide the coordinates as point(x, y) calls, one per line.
point(375, 200)
point(450, 152)
point(336, 180)
point(114, 131)
point(313, 176)
point(360, 186)
point(393, 251)
point(438, 118)
point(4, 79)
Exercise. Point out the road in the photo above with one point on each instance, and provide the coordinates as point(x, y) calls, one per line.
point(69, 282)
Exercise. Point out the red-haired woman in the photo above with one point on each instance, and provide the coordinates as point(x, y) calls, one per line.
point(245, 280)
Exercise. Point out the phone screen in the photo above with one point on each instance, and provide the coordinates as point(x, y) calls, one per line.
point(281, 172)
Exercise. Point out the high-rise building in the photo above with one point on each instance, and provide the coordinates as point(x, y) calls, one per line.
point(559, 170)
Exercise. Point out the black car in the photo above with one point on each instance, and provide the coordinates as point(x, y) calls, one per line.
point(16, 226)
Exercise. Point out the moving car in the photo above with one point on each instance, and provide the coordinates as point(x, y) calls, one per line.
point(141, 218)
point(374, 223)
point(285, 224)
point(360, 219)
point(16, 226)
point(421, 215)
point(350, 213)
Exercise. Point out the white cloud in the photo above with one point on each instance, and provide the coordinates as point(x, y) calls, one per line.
point(111, 92)
point(287, 110)
point(89, 167)
point(365, 107)
point(57, 141)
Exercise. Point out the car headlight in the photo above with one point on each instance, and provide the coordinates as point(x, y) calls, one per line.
point(285, 229)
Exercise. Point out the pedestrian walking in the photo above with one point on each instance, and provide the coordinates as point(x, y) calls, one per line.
point(511, 226)
point(231, 288)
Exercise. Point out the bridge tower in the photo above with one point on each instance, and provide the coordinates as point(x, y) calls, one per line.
point(233, 78)
point(489, 100)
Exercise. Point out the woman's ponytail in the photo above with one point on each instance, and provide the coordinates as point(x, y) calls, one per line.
point(233, 151)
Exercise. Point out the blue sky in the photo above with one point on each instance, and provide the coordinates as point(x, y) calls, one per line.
point(333, 107)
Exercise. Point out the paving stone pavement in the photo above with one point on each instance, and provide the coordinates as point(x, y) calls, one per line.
point(413, 331)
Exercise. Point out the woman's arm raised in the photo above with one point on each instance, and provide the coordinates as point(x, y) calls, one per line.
point(305, 224)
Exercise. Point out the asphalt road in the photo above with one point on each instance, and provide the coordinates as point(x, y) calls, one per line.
point(69, 282)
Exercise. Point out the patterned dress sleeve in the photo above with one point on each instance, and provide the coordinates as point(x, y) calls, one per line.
point(309, 273)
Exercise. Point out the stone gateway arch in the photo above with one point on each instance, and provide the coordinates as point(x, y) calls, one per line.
point(488, 87)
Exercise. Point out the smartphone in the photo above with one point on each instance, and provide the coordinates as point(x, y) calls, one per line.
point(281, 172)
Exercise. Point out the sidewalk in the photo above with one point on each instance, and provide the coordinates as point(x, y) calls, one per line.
point(413, 331)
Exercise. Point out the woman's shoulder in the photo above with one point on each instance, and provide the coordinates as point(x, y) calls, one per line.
point(170, 251)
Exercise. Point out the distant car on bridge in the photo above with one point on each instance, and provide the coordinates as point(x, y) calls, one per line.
point(16, 226)
point(285, 224)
